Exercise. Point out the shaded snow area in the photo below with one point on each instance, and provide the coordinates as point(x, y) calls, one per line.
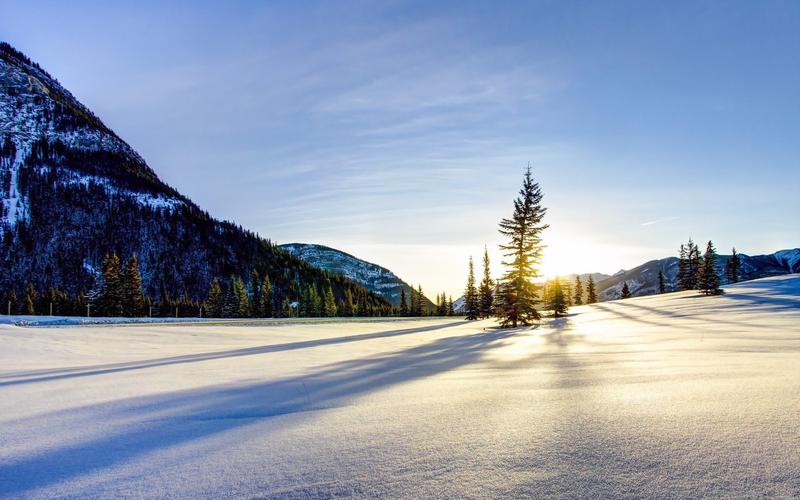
point(672, 396)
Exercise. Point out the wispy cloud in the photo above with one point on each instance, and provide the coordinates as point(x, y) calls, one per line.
point(656, 221)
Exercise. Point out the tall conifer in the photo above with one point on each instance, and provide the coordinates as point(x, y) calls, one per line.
point(707, 277)
point(516, 301)
point(471, 298)
point(578, 292)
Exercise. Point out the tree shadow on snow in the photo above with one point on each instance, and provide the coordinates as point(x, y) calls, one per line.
point(29, 377)
point(135, 427)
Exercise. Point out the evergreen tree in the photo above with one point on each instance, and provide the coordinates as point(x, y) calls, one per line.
point(237, 303)
point(349, 307)
point(450, 307)
point(732, 267)
point(403, 303)
point(683, 270)
point(662, 287)
point(329, 303)
point(486, 291)
point(311, 304)
point(695, 263)
point(591, 291)
point(441, 309)
point(286, 309)
point(707, 277)
point(111, 295)
point(578, 291)
point(254, 293)
point(471, 298)
point(417, 301)
point(517, 294)
point(558, 300)
point(626, 292)
point(216, 300)
point(265, 298)
point(132, 293)
point(30, 300)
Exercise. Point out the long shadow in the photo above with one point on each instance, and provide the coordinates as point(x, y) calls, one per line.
point(756, 299)
point(136, 427)
point(30, 377)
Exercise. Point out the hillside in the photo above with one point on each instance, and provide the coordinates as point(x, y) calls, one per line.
point(72, 191)
point(643, 280)
point(373, 277)
point(674, 395)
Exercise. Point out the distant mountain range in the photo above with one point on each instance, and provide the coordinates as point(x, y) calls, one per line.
point(373, 277)
point(643, 279)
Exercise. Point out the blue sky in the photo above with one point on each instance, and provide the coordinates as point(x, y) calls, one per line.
point(398, 131)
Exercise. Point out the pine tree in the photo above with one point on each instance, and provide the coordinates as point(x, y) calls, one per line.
point(695, 263)
point(30, 300)
point(626, 292)
point(517, 295)
point(111, 296)
point(132, 293)
point(254, 293)
point(441, 309)
point(265, 298)
point(349, 307)
point(329, 303)
point(471, 298)
point(450, 307)
point(662, 286)
point(237, 303)
point(578, 291)
point(403, 303)
point(286, 309)
point(418, 302)
point(558, 300)
point(591, 291)
point(732, 267)
point(216, 299)
point(683, 269)
point(707, 277)
point(486, 291)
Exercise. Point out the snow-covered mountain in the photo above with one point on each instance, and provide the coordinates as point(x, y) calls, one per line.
point(372, 276)
point(71, 191)
point(643, 279)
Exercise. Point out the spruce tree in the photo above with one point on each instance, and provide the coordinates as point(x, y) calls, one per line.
point(133, 295)
point(517, 293)
point(450, 307)
point(403, 303)
point(30, 300)
point(441, 309)
point(695, 263)
point(558, 300)
point(237, 303)
point(662, 286)
point(626, 292)
point(111, 297)
point(591, 291)
point(254, 293)
point(419, 302)
point(216, 300)
point(486, 291)
point(707, 277)
point(349, 307)
point(329, 303)
point(683, 269)
point(265, 298)
point(471, 298)
point(578, 292)
point(732, 267)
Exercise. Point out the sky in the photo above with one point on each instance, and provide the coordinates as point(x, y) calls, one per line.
point(399, 131)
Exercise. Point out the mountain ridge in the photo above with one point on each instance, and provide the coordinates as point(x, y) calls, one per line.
point(72, 191)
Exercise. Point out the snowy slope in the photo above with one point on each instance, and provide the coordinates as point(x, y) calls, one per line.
point(372, 276)
point(676, 396)
point(643, 280)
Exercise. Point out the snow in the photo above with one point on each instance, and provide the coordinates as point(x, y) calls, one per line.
point(675, 395)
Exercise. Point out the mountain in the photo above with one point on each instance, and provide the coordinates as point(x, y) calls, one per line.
point(373, 277)
point(643, 280)
point(71, 191)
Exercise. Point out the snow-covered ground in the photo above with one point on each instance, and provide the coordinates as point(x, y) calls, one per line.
point(675, 395)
